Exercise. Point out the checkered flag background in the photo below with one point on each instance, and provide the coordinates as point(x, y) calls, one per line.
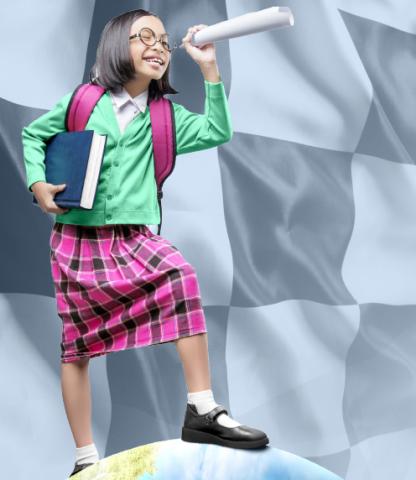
point(302, 230)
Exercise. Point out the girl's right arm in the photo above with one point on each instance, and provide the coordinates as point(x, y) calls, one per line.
point(34, 139)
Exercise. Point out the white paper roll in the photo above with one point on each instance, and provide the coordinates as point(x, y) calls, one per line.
point(252, 22)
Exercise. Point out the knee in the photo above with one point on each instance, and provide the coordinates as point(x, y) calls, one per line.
point(188, 269)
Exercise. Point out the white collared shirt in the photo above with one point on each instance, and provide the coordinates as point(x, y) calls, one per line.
point(126, 108)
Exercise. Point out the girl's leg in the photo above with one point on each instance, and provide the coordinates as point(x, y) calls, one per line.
point(199, 427)
point(76, 394)
point(193, 351)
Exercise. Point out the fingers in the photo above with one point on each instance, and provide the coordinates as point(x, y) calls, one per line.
point(190, 32)
point(56, 209)
point(187, 37)
point(52, 207)
point(62, 210)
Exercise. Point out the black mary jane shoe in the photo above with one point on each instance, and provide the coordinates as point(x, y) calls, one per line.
point(79, 467)
point(206, 429)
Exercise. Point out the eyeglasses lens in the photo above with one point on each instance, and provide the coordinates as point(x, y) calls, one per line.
point(149, 38)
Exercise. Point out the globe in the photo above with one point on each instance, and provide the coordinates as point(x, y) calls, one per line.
point(179, 460)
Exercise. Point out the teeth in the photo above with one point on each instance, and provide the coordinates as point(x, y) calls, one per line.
point(156, 60)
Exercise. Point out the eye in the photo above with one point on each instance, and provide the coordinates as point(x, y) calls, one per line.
point(147, 36)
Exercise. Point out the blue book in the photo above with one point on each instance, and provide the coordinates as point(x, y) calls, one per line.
point(75, 158)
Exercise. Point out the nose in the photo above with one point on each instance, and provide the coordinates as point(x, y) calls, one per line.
point(158, 45)
point(157, 48)
point(163, 54)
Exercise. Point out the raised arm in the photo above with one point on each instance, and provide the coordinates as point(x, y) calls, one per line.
point(200, 131)
point(196, 131)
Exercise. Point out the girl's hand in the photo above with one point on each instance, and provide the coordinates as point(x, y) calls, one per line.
point(201, 55)
point(45, 193)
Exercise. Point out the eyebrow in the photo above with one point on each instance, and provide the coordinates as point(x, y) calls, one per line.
point(163, 33)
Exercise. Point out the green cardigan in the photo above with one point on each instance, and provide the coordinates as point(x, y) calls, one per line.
point(127, 191)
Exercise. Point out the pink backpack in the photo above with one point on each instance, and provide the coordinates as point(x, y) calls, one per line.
point(82, 103)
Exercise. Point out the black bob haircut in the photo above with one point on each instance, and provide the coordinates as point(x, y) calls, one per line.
point(113, 66)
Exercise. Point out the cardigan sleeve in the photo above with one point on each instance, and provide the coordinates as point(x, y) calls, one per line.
point(35, 136)
point(196, 131)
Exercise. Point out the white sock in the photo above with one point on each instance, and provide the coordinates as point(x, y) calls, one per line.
point(204, 402)
point(87, 454)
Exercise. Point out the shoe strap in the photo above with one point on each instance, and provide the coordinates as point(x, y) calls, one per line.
point(213, 414)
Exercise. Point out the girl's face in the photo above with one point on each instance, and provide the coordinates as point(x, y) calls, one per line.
point(139, 51)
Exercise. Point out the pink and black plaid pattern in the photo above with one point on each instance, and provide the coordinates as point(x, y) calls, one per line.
point(120, 287)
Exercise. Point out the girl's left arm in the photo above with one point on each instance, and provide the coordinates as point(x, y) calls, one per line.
point(212, 128)
point(196, 131)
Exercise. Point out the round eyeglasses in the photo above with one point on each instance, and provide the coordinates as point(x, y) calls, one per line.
point(148, 37)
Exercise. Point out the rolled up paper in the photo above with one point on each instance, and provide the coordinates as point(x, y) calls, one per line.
point(246, 24)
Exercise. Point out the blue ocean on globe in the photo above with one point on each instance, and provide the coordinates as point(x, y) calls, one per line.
point(178, 460)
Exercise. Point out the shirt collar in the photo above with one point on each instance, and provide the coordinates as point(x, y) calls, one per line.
point(121, 97)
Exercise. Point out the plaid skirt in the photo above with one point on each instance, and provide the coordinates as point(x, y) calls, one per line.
point(119, 287)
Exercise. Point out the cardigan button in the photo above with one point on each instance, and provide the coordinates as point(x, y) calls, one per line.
point(108, 216)
point(116, 163)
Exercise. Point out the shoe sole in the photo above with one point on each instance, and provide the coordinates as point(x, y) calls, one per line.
point(194, 436)
point(74, 474)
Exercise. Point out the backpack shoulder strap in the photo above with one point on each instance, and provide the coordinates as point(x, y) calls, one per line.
point(162, 118)
point(81, 105)
point(164, 143)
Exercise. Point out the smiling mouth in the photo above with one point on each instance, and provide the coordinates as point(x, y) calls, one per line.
point(157, 62)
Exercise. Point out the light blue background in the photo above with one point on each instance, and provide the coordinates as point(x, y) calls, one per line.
point(306, 221)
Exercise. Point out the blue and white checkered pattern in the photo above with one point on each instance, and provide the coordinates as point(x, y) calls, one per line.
point(301, 229)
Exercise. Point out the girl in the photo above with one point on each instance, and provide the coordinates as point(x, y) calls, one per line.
point(117, 284)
